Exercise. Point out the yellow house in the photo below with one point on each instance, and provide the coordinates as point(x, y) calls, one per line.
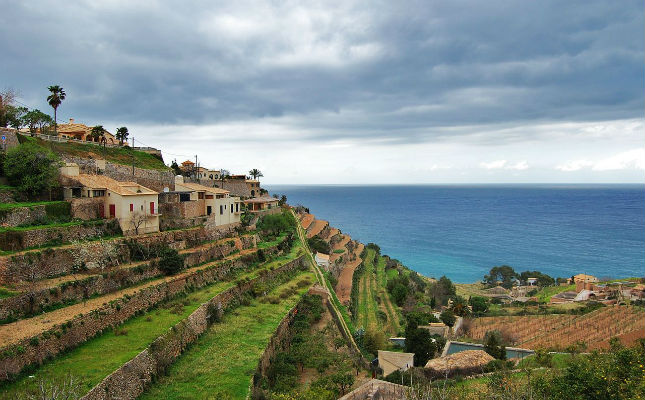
point(135, 206)
point(82, 132)
point(217, 203)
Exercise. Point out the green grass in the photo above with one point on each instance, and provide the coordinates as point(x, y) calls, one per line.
point(222, 362)
point(6, 187)
point(367, 306)
point(4, 293)
point(9, 206)
point(97, 358)
point(392, 316)
point(339, 251)
point(392, 273)
point(117, 155)
point(545, 294)
point(46, 226)
point(558, 360)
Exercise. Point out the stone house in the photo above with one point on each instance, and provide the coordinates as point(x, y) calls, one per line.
point(214, 203)
point(263, 203)
point(135, 206)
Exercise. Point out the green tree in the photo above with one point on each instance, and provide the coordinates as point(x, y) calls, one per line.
point(255, 173)
point(442, 290)
point(122, 135)
point(54, 100)
point(174, 166)
point(448, 318)
point(503, 274)
point(460, 306)
point(15, 116)
point(31, 168)
point(373, 340)
point(479, 304)
point(419, 342)
point(36, 119)
point(494, 345)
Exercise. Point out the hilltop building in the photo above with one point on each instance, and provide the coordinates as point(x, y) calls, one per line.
point(135, 206)
point(73, 130)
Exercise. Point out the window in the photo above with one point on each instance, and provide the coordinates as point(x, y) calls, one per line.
point(98, 193)
point(221, 210)
point(231, 208)
point(200, 195)
point(131, 207)
point(237, 207)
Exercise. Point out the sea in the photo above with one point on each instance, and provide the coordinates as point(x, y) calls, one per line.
point(463, 231)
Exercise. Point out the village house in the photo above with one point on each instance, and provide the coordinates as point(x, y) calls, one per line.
point(582, 278)
point(82, 132)
point(133, 205)
point(390, 361)
point(214, 203)
point(322, 260)
point(260, 204)
point(436, 328)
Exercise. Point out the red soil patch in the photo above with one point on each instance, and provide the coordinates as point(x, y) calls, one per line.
point(344, 286)
point(317, 227)
point(307, 219)
point(343, 242)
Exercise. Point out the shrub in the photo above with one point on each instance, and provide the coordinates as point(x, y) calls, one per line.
point(171, 262)
point(31, 168)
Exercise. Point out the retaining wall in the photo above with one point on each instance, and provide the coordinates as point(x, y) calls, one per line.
point(23, 216)
point(52, 262)
point(129, 381)
point(37, 300)
point(35, 350)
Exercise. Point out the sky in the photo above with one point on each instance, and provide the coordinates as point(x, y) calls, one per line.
point(349, 92)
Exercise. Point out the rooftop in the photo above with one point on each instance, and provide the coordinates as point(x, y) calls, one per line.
point(201, 188)
point(263, 199)
point(104, 182)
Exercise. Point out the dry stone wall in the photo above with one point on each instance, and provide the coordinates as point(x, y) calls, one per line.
point(41, 299)
point(23, 216)
point(86, 208)
point(35, 350)
point(129, 381)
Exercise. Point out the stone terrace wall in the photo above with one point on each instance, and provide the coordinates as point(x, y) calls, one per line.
point(35, 301)
point(60, 260)
point(129, 381)
point(23, 216)
point(86, 208)
point(35, 350)
point(150, 178)
point(16, 240)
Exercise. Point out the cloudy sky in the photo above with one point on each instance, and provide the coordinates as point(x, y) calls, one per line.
point(349, 91)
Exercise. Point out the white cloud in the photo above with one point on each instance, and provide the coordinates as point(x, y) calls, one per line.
point(631, 159)
point(519, 166)
point(574, 165)
point(493, 164)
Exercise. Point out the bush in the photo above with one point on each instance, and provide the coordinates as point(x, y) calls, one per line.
point(493, 345)
point(318, 245)
point(171, 262)
point(448, 318)
point(31, 168)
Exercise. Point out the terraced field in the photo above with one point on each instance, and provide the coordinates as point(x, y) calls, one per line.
point(559, 331)
point(222, 362)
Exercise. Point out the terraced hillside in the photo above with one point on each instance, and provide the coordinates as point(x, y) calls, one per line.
point(99, 318)
point(559, 331)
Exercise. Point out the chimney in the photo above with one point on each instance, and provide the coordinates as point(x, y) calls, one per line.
point(71, 120)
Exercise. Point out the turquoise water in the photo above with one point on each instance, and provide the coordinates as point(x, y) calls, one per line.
point(463, 231)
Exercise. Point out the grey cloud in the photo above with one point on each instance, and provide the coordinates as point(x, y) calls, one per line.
point(391, 71)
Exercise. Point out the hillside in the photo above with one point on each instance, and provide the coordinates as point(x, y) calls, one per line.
point(118, 155)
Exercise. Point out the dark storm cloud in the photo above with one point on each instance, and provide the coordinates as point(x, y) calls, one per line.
point(394, 71)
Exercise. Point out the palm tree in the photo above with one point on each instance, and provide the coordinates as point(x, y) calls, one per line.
point(98, 132)
point(122, 134)
point(255, 173)
point(223, 174)
point(54, 99)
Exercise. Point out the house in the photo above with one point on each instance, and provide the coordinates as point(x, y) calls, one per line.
point(582, 278)
point(637, 292)
point(212, 202)
point(564, 297)
point(135, 206)
point(436, 328)
point(322, 260)
point(390, 361)
point(263, 203)
point(531, 281)
point(82, 132)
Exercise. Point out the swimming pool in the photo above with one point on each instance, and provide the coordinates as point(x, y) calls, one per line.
point(456, 347)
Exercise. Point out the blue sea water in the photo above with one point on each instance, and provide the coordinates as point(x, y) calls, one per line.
point(463, 231)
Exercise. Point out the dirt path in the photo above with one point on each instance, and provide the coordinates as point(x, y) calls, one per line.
point(25, 328)
point(316, 227)
point(344, 285)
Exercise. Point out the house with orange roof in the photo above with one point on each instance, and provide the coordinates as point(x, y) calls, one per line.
point(259, 204)
point(82, 132)
point(133, 205)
